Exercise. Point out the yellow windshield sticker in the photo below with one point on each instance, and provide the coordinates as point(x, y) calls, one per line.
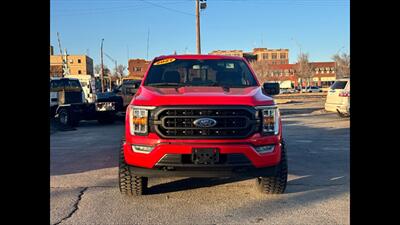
point(164, 61)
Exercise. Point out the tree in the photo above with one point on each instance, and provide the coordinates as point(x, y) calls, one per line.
point(303, 68)
point(97, 70)
point(342, 65)
point(262, 70)
point(120, 71)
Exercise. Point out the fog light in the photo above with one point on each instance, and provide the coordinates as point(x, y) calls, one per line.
point(265, 149)
point(142, 149)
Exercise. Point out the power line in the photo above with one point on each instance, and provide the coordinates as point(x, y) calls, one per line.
point(102, 10)
point(161, 6)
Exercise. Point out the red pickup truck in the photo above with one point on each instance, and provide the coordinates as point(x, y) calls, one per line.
point(202, 116)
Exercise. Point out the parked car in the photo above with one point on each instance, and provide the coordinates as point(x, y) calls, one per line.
point(285, 91)
point(127, 90)
point(338, 98)
point(312, 89)
point(203, 116)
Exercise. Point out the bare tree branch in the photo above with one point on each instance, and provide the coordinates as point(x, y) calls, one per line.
point(303, 68)
point(342, 65)
point(262, 70)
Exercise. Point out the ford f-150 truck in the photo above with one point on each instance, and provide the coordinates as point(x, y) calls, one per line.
point(202, 116)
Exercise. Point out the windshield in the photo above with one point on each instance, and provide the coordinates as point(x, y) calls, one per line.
point(224, 73)
point(61, 83)
point(129, 81)
point(339, 85)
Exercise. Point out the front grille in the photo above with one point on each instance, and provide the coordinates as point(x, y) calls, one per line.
point(234, 159)
point(178, 122)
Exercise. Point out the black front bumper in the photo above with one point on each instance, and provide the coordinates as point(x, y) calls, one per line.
point(204, 171)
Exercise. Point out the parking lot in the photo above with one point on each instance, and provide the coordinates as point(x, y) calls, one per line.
point(84, 188)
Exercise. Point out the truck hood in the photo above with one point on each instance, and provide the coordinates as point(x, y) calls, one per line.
point(155, 96)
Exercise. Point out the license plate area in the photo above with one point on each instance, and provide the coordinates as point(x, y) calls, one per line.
point(205, 155)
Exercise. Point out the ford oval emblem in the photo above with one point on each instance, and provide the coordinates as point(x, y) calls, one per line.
point(205, 122)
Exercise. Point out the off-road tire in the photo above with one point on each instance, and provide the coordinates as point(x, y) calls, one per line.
point(343, 115)
point(129, 184)
point(66, 118)
point(275, 184)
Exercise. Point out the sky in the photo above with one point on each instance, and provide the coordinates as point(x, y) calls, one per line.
point(320, 28)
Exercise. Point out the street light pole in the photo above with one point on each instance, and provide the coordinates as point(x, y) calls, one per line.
point(198, 27)
point(102, 67)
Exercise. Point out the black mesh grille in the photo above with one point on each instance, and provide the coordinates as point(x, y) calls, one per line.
point(185, 159)
point(235, 122)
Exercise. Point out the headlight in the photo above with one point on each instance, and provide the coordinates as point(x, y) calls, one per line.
point(138, 119)
point(142, 148)
point(270, 120)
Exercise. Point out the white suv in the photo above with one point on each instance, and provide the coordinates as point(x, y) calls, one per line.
point(338, 98)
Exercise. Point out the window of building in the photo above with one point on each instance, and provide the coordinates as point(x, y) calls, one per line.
point(138, 69)
point(283, 56)
point(274, 55)
point(79, 72)
point(79, 61)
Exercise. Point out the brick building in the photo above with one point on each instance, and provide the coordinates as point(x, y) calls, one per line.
point(78, 64)
point(227, 52)
point(323, 74)
point(137, 67)
point(247, 55)
point(271, 56)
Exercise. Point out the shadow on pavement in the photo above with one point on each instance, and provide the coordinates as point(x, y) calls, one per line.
point(291, 111)
point(190, 183)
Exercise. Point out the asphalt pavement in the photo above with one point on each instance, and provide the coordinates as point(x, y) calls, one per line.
point(84, 188)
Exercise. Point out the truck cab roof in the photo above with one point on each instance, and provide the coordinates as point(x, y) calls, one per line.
point(198, 57)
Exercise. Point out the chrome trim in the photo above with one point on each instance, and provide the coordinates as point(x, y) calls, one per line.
point(142, 107)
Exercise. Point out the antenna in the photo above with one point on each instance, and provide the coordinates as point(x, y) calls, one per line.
point(148, 36)
point(262, 40)
point(127, 52)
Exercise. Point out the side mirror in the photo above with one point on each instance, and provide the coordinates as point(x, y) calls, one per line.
point(271, 88)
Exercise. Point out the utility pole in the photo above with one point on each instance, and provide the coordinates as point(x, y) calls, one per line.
point(102, 67)
point(198, 27)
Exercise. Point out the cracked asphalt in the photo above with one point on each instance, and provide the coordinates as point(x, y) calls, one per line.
point(84, 187)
